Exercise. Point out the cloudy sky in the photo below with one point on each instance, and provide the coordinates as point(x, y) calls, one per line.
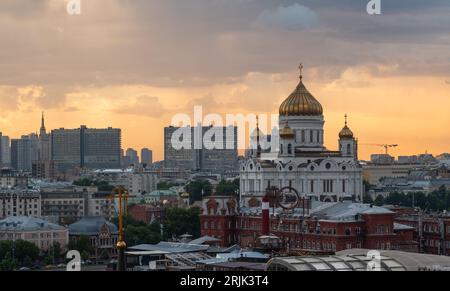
point(135, 63)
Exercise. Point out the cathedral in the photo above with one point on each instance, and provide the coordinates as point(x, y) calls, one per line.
point(302, 161)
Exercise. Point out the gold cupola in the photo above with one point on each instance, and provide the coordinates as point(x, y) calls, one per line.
point(301, 102)
point(286, 132)
point(346, 132)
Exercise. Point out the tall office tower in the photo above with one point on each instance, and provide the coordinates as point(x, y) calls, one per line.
point(27, 151)
point(85, 147)
point(14, 153)
point(66, 151)
point(146, 156)
point(5, 151)
point(207, 148)
point(101, 147)
point(177, 157)
point(44, 142)
point(133, 156)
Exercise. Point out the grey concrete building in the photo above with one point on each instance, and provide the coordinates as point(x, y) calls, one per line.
point(86, 147)
point(210, 149)
point(146, 156)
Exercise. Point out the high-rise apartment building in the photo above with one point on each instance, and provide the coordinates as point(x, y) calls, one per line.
point(24, 151)
point(132, 156)
point(5, 151)
point(86, 147)
point(146, 156)
point(207, 148)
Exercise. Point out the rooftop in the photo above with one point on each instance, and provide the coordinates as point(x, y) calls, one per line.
point(91, 226)
point(27, 223)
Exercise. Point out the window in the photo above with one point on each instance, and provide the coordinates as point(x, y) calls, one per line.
point(328, 186)
point(312, 186)
point(303, 135)
point(289, 149)
point(311, 136)
point(348, 149)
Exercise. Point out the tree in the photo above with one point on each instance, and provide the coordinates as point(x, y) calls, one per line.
point(163, 185)
point(19, 252)
point(83, 182)
point(228, 188)
point(7, 263)
point(81, 244)
point(197, 188)
point(180, 221)
point(54, 253)
point(367, 199)
point(84, 255)
point(379, 200)
point(437, 200)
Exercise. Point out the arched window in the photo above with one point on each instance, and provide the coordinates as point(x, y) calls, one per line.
point(289, 149)
point(349, 149)
point(343, 186)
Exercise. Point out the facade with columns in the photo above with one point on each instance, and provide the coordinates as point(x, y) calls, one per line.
point(301, 160)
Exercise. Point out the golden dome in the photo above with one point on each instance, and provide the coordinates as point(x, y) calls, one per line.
point(301, 102)
point(287, 132)
point(346, 132)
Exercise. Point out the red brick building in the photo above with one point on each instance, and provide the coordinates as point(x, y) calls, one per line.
point(432, 232)
point(146, 212)
point(326, 227)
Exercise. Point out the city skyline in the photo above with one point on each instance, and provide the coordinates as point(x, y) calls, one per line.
point(149, 60)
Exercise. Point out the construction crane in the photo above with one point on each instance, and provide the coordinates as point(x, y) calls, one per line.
point(386, 146)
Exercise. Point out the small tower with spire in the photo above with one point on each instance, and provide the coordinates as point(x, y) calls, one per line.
point(287, 136)
point(347, 142)
point(42, 131)
point(258, 144)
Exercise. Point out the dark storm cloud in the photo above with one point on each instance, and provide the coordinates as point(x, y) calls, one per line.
point(203, 42)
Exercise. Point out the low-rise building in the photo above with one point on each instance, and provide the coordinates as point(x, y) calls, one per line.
point(12, 179)
point(315, 227)
point(147, 213)
point(432, 232)
point(40, 232)
point(20, 202)
point(69, 204)
point(102, 235)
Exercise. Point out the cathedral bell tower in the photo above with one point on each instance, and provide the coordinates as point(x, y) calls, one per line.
point(287, 139)
point(347, 143)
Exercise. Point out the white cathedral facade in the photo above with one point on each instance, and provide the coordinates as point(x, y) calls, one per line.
point(303, 162)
